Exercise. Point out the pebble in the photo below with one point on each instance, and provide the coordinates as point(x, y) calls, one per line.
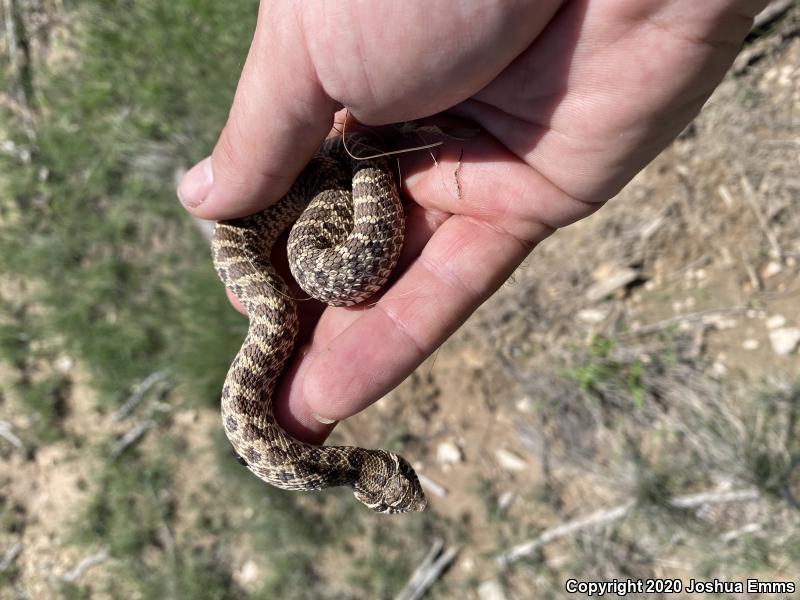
point(505, 500)
point(592, 315)
point(64, 364)
point(718, 369)
point(491, 590)
point(750, 344)
point(784, 340)
point(509, 460)
point(186, 417)
point(771, 269)
point(474, 358)
point(448, 453)
point(776, 321)
point(249, 573)
point(613, 279)
point(720, 322)
point(525, 405)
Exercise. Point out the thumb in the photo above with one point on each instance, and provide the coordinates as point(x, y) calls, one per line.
point(280, 116)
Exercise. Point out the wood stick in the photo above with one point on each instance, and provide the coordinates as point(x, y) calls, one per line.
point(749, 196)
point(677, 320)
point(138, 394)
point(7, 434)
point(602, 517)
point(86, 564)
point(10, 557)
point(429, 571)
point(434, 487)
point(131, 437)
point(773, 11)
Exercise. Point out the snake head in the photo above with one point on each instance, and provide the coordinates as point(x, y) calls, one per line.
point(388, 484)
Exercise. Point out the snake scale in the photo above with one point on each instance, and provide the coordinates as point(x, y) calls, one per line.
point(346, 238)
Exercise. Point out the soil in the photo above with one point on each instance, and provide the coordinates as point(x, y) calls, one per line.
point(710, 231)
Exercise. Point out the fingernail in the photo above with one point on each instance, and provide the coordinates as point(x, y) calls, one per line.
point(196, 184)
point(323, 420)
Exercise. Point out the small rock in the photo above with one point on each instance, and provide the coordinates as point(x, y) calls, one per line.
point(750, 344)
point(505, 500)
point(186, 417)
point(784, 340)
point(719, 322)
point(616, 278)
point(448, 453)
point(592, 315)
point(776, 321)
point(248, 574)
point(64, 364)
point(474, 357)
point(772, 268)
point(491, 590)
point(525, 405)
point(510, 461)
point(718, 369)
point(785, 78)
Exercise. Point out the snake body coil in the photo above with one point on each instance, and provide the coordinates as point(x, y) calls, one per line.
point(347, 235)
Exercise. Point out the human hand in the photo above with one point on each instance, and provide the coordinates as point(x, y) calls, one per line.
point(573, 97)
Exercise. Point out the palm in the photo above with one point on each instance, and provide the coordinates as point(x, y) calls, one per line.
point(594, 93)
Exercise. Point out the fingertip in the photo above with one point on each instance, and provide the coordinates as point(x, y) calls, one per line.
point(279, 117)
point(195, 184)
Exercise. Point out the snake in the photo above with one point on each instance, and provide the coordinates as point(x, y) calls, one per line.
point(347, 232)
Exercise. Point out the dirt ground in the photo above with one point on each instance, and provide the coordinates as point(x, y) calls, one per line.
point(705, 250)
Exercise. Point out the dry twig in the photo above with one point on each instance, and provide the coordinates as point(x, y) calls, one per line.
point(16, 60)
point(429, 570)
point(689, 318)
point(131, 437)
point(7, 434)
point(749, 196)
point(86, 564)
point(434, 487)
point(139, 392)
point(772, 12)
point(602, 517)
point(10, 556)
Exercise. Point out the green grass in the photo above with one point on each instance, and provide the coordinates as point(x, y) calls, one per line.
point(100, 263)
point(600, 373)
point(92, 223)
point(115, 276)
